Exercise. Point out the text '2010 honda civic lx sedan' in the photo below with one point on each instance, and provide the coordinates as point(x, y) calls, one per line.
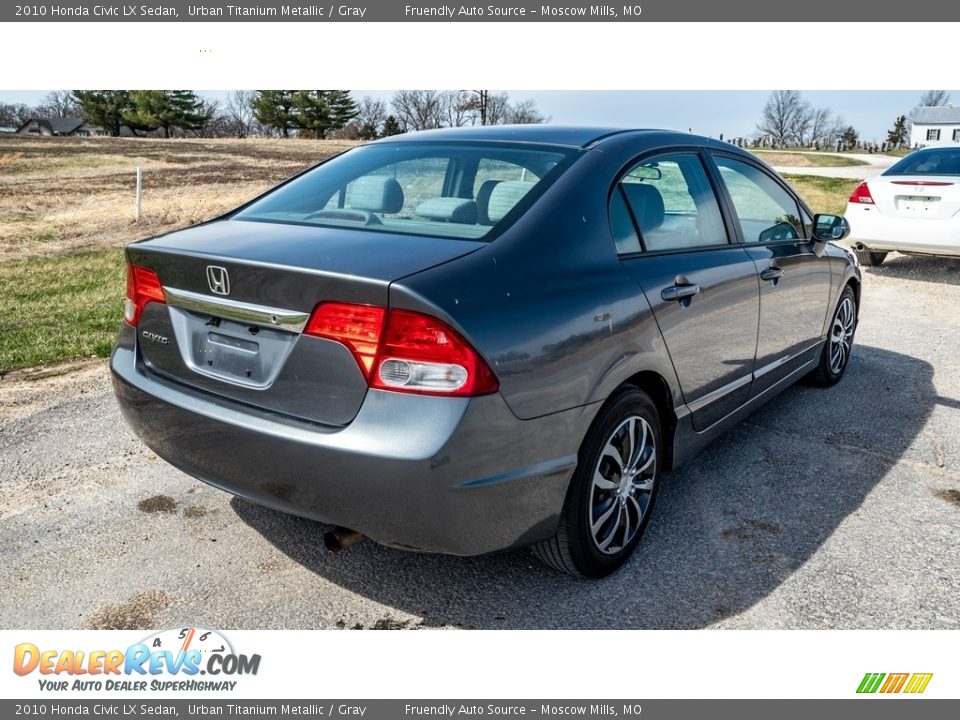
point(468, 340)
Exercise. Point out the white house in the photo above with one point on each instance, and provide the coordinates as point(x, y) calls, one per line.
point(935, 125)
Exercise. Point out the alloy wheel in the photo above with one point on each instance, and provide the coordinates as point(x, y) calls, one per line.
point(841, 335)
point(623, 483)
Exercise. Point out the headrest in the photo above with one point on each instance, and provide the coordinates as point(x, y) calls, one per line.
point(376, 193)
point(646, 203)
point(505, 196)
point(449, 209)
point(483, 201)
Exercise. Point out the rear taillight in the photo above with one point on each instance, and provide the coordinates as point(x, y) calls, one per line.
point(861, 194)
point(405, 351)
point(359, 327)
point(143, 287)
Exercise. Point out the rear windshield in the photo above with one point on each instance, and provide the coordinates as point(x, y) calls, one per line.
point(463, 191)
point(942, 161)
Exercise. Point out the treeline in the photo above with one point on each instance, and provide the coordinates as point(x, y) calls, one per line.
point(789, 120)
point(275, 113)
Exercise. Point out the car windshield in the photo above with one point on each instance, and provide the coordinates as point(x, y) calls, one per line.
point(461, 191)
point(941, 161)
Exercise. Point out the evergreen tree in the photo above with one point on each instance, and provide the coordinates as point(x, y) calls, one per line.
point(106, 108)
point(367, 131)
point(317, 112)
point(312, 113)
point(850, 137)
point(165, 110)
point(390, 127)
point(342, 108)
point(274, 109)
point(898, 135)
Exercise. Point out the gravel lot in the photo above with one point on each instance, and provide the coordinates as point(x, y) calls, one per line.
point(826, 509)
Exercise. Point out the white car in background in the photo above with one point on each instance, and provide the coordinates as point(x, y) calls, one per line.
point(912, 208)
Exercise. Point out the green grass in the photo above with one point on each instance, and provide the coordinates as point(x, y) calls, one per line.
point(823, 194)
point(789, 158)
point(60, 307)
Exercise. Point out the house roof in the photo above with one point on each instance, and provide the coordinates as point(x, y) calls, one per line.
point(58, 126)
point(936, 115)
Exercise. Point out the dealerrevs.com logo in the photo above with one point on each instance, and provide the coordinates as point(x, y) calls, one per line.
point(179, 659)
point(887, 684)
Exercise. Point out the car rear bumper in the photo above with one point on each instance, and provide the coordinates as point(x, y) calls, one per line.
point(887, 234)
point(452, 475)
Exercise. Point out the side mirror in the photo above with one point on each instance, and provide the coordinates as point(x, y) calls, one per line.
point(830, 228)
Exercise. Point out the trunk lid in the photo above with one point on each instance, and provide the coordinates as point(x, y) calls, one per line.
point(239, 294)
point(922, 196)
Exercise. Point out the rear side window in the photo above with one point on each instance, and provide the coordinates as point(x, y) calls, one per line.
point(451, 190)
point(941, 161)
point(670, 201)
point(766, 212)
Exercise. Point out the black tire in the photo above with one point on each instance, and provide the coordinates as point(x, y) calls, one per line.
point(574, 549)
point(828, 372)
point(870, 258)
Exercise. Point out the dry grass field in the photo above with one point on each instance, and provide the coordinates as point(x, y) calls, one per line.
point(67, 209)
point(60, 194)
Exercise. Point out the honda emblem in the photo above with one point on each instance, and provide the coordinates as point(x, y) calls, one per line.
point(218, 280)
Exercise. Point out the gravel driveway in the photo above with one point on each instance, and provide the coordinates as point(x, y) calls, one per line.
point(827, 509)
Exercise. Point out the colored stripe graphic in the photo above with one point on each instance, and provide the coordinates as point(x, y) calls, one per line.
point(918, 682)
point(870, 682)
point(894, 683)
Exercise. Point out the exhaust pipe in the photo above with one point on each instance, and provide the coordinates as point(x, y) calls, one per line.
point(340, 538)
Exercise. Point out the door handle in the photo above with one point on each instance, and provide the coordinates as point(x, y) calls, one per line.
point(679, 292)
point(771, 273)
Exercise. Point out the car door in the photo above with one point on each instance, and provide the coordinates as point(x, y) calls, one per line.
point(704, 292)
point(795, 284)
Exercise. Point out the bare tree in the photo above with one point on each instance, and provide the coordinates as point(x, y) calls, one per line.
point(371, 115)
point(524, 112)
point(458, 108)
point(418, 109)
point(934, 98)
point(59, 104)
point(498, 105)
point(14, 114)
point(837, 128)
point(803, 123)
point(778, 120)
point(820, 126)
point(238, 112)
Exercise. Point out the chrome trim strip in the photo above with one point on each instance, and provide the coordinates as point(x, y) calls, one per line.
point(785, 359)
point(772, 366)
point(292, 320)
point(710, 397)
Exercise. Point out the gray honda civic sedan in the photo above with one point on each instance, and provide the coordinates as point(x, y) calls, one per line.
point(467, 340)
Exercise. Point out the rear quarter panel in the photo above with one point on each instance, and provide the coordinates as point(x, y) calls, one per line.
point(548, 303)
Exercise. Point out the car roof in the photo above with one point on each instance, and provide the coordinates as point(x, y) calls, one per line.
point(569, 136)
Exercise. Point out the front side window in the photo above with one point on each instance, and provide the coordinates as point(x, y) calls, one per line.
point(451, 190)
point(956, 135)
point(670, 200)
point(933, 134)
point(766, 212)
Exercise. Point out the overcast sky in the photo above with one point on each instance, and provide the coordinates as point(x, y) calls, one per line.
point(707, 112)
